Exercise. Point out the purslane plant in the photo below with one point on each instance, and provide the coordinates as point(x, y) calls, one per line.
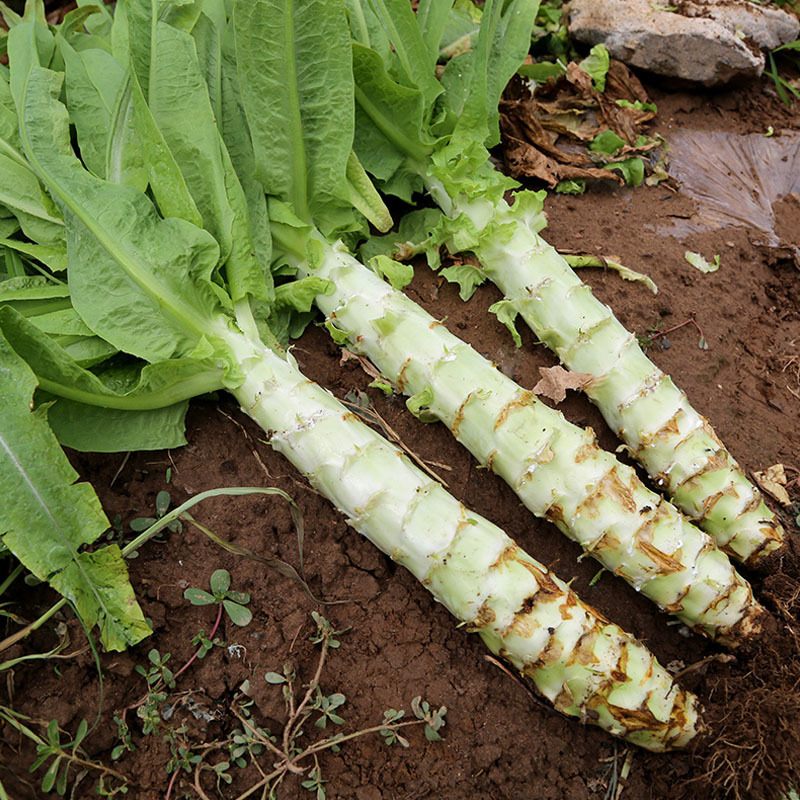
point(413, 136)
point(149, 286)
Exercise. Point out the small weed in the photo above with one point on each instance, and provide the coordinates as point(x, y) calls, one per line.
point(160, 677)
point(163, 501)
point(791, 53)
point(649, 336)
point(63, 756)
point(205, 645)
point(288, 751)
point(234, 603)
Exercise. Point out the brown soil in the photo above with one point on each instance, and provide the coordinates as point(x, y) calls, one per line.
point(499, 742)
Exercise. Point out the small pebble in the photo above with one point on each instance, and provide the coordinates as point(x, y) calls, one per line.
point(665, 343)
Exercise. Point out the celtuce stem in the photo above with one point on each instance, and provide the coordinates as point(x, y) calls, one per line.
point(588, 667)
point(676, 445)
point(556, 468)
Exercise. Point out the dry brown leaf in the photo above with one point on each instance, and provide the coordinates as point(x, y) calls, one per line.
point(772, 480)
point(540, 129)
point(556, 380)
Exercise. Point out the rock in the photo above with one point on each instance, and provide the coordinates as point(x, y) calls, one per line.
point(767, 27)
point(710, 42)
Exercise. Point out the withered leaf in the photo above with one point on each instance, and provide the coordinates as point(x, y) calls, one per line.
point(772, 480)
point(556, 380)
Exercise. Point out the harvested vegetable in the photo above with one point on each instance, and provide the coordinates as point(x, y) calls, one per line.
point(148, 285)
point(407, 147)
point(556, 468)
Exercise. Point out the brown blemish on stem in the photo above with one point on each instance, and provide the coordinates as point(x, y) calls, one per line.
point(610, 485)
point(460, 416)
point(666, 563)
point(523, 399)
point(483, 619)
point(669, 429)
point(543, 579)
point(401, 380)
point(589, 449)
point(508, 553)
point(584, 649)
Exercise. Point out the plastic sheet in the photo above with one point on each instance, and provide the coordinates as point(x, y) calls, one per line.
point(734, 179)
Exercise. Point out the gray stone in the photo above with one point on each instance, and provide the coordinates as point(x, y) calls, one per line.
point(709, 43)
point(768, 27)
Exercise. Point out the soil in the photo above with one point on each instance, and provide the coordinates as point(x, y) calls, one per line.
point(500, 741)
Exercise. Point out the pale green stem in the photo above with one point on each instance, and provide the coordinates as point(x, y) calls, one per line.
point(556, 468)
point(674, 443)
point(585, 665)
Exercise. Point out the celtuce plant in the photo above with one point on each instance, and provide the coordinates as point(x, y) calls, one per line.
point(556, 468)
point(414, 134)
point(164, 291)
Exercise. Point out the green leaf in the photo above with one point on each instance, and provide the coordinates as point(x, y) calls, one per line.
point(576, 186)
point(414, 58)
point(179, 101)
point(238, 143)
point(461, 29)
point(632, 170)
point(389, 117)
point(541, 70)
point(432, 18)
point(53, 256)
point(220, 582)
point(607, 143)
point(33, 295)
point(503, 44)
point(419, 404)
point(431, 735)
point(239, 615)
point(21, 193)
point(364, 196)
point(94, 80)
point(8, 120)
point(339, 336)
point(198, 597)
point(49, 779)
point(399, 275)
point(124, 160)
point(383, 385)
point(111, 410)
point(467, 276)
point(299, 295)
point(274, 677)
point(297, 92)
point(91, 429)
point(698, 262)
point(164, 175)
point(80, 734)
point(100, 21)
point(639, 105)
point(506, 313)
point(140, 282)
point(47, 517)
point(417, 233)
point(596, 66)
